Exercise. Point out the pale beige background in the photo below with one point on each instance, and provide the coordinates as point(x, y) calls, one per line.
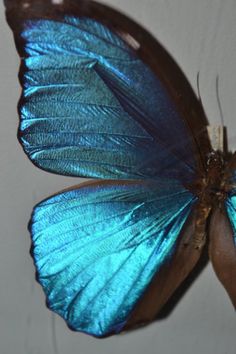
point(201, 35)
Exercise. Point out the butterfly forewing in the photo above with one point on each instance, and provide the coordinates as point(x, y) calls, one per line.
point(91, 106)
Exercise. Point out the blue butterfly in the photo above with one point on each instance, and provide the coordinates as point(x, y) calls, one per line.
point(101, 98)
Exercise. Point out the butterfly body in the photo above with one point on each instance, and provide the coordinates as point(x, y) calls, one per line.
point(102, 98)
point(211, 190)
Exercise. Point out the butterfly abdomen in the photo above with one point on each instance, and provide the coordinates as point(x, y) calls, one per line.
point(202, 212)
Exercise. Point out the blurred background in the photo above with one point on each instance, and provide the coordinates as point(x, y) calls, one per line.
point(201, 36)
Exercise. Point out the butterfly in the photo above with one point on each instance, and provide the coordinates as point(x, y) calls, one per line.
point(101, 98)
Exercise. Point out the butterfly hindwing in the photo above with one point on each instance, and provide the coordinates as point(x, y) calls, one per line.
point(222, 246)
point(97, 248)
point(222, 250)
point(231, 211)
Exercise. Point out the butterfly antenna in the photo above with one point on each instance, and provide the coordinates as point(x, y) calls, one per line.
point(218, 101)
point(198, 87)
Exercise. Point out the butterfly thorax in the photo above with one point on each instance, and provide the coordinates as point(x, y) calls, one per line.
point(213, 189)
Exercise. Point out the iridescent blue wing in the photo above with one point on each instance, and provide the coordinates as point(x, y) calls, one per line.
point(91, 106)
point(231, 210)
point(97, 248)
point(101, 98)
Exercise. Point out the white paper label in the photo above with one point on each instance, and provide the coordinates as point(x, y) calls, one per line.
point(216, 135)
